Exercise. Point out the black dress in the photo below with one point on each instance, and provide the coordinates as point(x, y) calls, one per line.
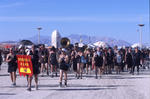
point(110, 58)
point(129, 60)
point(35, 62)
point(137, 57)
point(1, 59)
point(98, 61)
point(53, 59)
point(74, 62)
point(12, 65)
point(89, 59)
point(43, 56)
point(63, 65)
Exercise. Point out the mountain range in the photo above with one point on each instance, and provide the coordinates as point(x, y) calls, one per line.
point(74, 38)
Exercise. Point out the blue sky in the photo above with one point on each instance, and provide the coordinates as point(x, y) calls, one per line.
point(104, 18)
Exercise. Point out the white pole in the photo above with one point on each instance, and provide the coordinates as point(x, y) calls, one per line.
point(141, 25)
point(39, 35)
point(141, 37)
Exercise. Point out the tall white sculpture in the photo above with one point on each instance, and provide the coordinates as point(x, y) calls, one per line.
point(55, 39)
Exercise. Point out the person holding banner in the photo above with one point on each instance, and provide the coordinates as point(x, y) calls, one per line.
point(35, 64)
point(12, 65)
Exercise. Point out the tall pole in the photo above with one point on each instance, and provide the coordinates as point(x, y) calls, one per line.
point(39, 28)
point(141, 25)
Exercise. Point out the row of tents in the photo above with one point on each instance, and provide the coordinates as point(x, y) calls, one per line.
point(96, 44)
point(105, 45)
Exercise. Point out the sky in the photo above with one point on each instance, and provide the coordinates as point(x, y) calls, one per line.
point(117, 19)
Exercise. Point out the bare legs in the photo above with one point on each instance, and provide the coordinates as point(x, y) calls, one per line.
point(61, 77)
point(53, 67)
point(100, 70)
point(44, 66)
point(13, 78)
point(29, 78)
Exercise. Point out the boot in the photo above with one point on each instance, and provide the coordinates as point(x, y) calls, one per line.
point(29, 89)
point(56, 74)
point(65, 83)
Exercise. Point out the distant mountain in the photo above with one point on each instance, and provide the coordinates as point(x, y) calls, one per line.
point(85, 39)
point(76, 38)
point(43, 39)
point(8, 42)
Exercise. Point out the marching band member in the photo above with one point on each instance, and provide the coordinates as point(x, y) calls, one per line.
point(74, 61)
point(98, 60)
point(82, 63)
point(43, 54)
point(12, 65)
point(129, 59)
point(52, 60)
point(119, 60)
point(63, 61)
point(35, 63)
point(137, 58)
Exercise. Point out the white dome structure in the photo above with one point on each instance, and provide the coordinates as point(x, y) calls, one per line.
point(101, 44)
point(55, 39)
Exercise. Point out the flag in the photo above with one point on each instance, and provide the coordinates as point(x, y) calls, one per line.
point(25, 65)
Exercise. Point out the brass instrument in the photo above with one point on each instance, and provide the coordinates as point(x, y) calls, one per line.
point(65, 42)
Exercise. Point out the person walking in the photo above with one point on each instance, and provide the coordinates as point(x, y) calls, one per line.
point(52, 61)
point(12, 65)
point(137, 58)
point(35, 64)
point(63, 61)
point(98, 60)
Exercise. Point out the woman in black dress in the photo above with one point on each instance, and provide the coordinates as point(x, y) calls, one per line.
point(74, 61)
point(12, 65)
point(98, 60)
point(52, 60)
point(43, 55)
point(63, 61)
point(88, 60)
point(129, 60)
point(83, 63)
point(35, 64)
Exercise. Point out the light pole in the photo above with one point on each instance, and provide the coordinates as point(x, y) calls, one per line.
point(39, 28)
point(141, 25)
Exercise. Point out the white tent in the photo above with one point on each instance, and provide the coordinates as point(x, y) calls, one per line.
point(91, 46)
point(101, 44)
point(81, 44)
point(138, 45)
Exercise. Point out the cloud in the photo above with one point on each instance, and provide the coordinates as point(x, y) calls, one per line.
point(11, 5)
point(73, 19)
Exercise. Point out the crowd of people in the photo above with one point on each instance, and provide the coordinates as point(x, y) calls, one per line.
point(78, 60)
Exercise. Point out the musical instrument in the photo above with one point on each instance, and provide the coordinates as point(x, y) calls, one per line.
point(65, 42)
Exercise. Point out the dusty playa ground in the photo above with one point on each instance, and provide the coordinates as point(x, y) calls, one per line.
point(123, 86)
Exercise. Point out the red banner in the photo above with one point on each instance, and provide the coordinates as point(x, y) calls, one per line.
point(24, 65)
